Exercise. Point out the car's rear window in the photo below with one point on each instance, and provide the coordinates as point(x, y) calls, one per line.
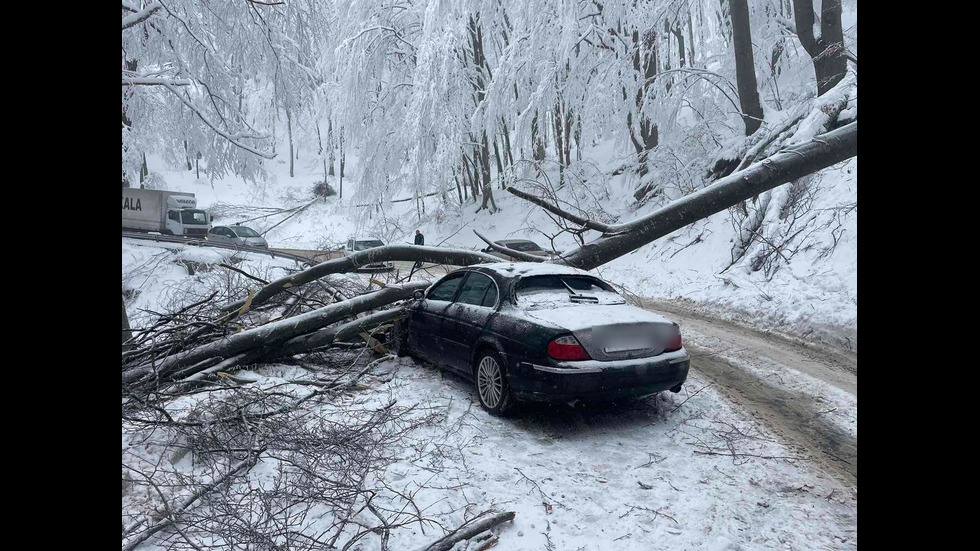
point(476, 291)
point(524, 246)
point(243, 231)
point(547, 283)
point(557, 290)
point(365, 245)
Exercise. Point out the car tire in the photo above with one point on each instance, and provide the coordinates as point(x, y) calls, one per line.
point(399, 338)
point(491, 384)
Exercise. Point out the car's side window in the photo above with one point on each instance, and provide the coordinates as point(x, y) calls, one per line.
point(475, 289)
point(446, 289)
point(490, 298)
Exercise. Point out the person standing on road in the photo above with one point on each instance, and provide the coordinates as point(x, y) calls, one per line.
point(419, 240)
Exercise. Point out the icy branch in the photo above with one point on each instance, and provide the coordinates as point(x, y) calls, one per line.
point(152, 81)
point(139, 16)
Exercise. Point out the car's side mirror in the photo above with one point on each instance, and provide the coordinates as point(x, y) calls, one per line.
point(418, 295)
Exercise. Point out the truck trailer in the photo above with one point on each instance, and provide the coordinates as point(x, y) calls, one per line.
point(167, 212)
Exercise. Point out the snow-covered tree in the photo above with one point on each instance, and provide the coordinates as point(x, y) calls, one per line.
point(206, 80)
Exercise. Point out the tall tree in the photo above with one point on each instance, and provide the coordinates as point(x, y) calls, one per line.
point(748, 89)
point(823, 40)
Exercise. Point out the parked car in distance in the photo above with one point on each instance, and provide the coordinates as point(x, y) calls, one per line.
point(356, 245)
point(240, 236)
point(529, 331)
point(520, 245)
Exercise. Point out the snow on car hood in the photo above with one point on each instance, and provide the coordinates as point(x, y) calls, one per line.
point(576, 317)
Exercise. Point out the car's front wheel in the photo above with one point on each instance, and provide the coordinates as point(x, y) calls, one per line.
point(399, 338)
point(491, 384)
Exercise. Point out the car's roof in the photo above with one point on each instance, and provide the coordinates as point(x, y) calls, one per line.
point(240, 226)
point(525, 269)
point(515, 241)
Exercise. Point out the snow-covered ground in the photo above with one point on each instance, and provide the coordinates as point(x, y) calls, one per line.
point(684, 471)
point(655, 474)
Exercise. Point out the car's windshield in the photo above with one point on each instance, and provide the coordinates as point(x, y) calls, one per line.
point(367, 244)
point(547, 290)
point(243, 231)
point(524, 246)
point(193, 217)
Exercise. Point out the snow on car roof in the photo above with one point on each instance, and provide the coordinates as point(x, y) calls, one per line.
point(524, 269)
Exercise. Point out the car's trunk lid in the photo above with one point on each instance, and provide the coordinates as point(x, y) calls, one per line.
point(612, 331)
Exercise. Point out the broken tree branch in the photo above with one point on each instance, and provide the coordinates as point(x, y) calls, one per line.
point(468, 531)
point(350, 263)
point(272, 334)
point(526, 257)
point(584, 222)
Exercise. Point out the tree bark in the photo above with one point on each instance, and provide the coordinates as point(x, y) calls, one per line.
point(748, 88)
point(329, 335)
point(644, 62)
point(537, 142)
point(127, 332)
point(289, 127)
point(330, 145)
point(828, 52)
point(468, 531)
point(342, 162)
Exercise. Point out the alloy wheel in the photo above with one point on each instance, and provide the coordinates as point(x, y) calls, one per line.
point(490, 382)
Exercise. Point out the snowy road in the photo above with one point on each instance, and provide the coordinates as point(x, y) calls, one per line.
point(804, 394)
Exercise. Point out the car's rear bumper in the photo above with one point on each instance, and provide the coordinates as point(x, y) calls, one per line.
point(596, 380)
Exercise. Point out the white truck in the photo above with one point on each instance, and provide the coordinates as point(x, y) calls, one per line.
point(167, 212)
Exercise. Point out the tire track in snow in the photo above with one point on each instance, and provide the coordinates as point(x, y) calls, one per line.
point(734, 358)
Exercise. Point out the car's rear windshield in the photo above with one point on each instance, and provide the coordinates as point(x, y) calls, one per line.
point(523, 246)
point(550, 283)
point(193, 217)
point(555, 291)
point(242, 231)
point(368, 244)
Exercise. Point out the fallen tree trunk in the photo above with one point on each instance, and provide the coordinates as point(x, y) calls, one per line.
point(415, 253)
point(272, 334)
point(329, 335)
point(783, 167)
point(468, 531)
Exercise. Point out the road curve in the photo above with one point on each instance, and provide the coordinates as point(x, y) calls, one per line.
point(805, 394)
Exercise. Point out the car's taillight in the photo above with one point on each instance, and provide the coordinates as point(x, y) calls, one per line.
point(674, 343)
point(567, 348)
